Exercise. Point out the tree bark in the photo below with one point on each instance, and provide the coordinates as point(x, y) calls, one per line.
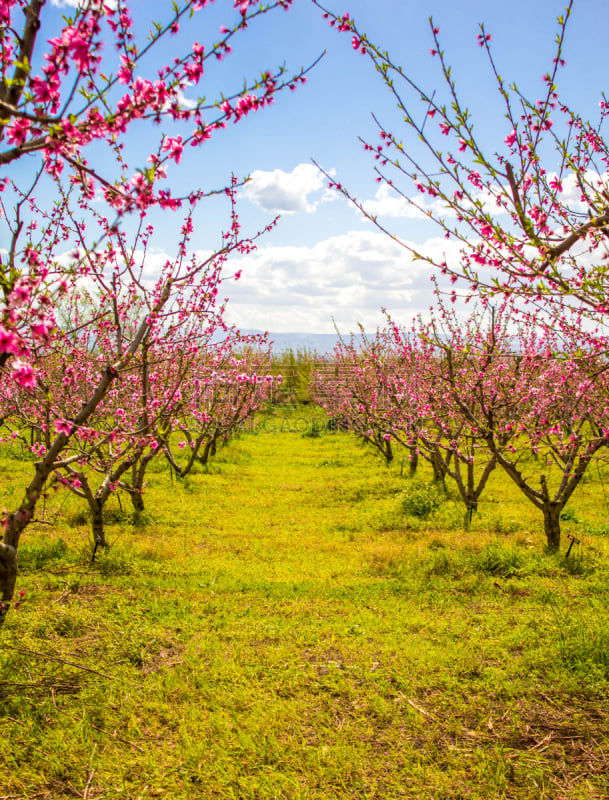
point(97, 525)
point(138, 473)
point(413, 461)
point(551, 524)
point(8, 577)
point(208, 450)
point(137, 500)
point(439, 468)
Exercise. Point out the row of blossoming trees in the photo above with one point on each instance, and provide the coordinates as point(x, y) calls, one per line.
point(77, 201)
point(104, 355)
point(471, 396)
point(175, 400)
point(526, 222)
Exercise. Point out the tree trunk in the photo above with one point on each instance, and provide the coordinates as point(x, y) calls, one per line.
point(97, 525)
point(8, 578)
point(14, 525)
point(387, 451)
point(207, 451)
point(138, 473)
point(471, 508)
point(137, 500)
point(439, 468)
point(413, 461)
point(551, 524)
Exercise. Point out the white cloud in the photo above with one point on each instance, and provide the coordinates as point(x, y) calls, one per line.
point(80, 3)
point(346, 278)
point(184, 101)
point(571, 194)
point(288, 192)
point(388, 203)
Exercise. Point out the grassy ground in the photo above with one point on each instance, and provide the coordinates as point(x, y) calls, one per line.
point(277, 627)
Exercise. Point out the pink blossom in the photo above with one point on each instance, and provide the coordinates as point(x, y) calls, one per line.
point(124, 74)
point(18, 131)
point(194, 71)
point(64, 426)
point(510, 139)
point(19, 296)
point(23, 373)
point(174, 146)
point(9, 342)
point(41, 330)
point(345, 23)
point(245, 104)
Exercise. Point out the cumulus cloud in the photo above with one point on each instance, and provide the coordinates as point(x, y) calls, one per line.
point(288, 192)
point(571, 194)
point(389, 203)
point(347, 278)
point(80, 3)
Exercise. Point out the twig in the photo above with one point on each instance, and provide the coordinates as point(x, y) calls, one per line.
point(107, 733)
point(23, 797)
point(417, 707)
point(41, 685)
point(85, 793)
point(60, 660)
point(67, 592)
point(119, 738)
point(541, 745)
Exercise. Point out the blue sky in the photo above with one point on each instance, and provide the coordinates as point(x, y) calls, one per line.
point(323, 262)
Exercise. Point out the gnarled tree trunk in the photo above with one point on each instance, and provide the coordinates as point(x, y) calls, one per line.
point(97, 524)
point(551, 524)
point(8, 577)
point(413, 461)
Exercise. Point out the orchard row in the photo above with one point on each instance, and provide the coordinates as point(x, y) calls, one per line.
point(105, 348)
point(101, 346)
point(177, 403)
point(494, 391)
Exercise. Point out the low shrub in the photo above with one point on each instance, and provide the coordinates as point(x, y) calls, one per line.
point(505, 562)
point(421, 499)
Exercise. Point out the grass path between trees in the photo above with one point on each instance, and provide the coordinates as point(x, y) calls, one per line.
point(278, 628)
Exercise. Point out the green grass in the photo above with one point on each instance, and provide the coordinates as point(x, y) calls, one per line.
point(278, 627)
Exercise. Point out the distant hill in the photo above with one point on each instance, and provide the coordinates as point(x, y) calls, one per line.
point(319, 342)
